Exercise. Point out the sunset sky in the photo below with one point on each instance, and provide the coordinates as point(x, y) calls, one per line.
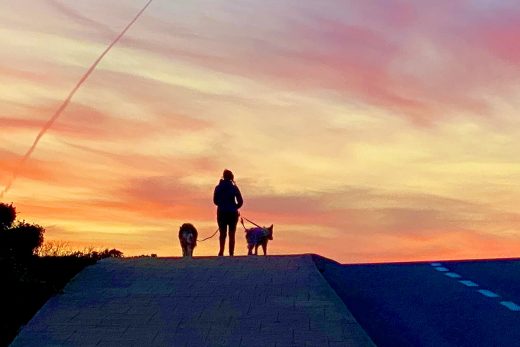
point(365, 131)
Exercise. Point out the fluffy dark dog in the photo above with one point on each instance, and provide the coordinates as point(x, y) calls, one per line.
point(188, 238)
point(258, 237)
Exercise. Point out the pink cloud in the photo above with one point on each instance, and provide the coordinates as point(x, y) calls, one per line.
point(38, 170)
point(88, 122)
point(363, 60)
point(22, 75)
point(355, 49)
point(422, 61)
point(497, 34)
point(78, 17)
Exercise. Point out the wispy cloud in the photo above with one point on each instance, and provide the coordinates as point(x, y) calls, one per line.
point(365, 131)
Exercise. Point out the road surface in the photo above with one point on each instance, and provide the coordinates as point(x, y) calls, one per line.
point(465, 303)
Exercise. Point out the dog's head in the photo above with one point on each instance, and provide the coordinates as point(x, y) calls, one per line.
point(270, 232)
point(188, 233)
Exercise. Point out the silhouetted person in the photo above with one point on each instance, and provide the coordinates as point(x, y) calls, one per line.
point(228, 199)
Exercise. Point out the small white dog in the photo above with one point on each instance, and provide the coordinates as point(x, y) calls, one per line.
point(258, 237)
point(188, 239)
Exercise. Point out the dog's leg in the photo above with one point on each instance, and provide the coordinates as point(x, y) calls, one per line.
point(264, 247)
point(249, 249)
point(256, 248)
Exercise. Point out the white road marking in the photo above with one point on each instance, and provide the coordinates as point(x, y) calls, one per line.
point(488, 293)
point(469, 283)
point(442, 269)
point(510, 305)
point(453, 275)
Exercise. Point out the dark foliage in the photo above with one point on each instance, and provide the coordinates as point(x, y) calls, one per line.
point(7, 215)
point(28, 281)
point(112, 253)
point(21, 240)
point(25, 288)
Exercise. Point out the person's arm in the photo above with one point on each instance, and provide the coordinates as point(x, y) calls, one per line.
point(240, 201)
point(215, 196)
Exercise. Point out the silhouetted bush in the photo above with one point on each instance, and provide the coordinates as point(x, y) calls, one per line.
point(54, 249)
point(21, 240)
point(7, 216)
point(112, 253)
point(31, 271)
point(63, 249)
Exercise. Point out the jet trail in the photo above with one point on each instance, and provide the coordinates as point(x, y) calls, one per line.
point(65, 103)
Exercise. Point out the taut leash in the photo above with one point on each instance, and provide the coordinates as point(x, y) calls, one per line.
point(250, 221)
point(241, 221)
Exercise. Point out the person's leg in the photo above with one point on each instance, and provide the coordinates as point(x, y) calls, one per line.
point(233, 220)
point(222, 227)
point(231, 241)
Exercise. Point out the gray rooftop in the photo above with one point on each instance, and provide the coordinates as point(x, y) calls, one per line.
point(224, 301)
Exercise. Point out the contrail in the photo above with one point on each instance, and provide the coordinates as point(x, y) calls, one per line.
point(65, 103)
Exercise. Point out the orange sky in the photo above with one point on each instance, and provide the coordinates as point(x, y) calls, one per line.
point(365, 131)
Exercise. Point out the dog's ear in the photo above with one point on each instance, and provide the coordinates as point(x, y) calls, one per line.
point(271, 227)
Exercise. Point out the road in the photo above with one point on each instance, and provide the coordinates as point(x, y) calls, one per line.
point(452, 303)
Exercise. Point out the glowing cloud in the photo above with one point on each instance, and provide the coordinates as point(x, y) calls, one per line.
point(364, 130)
point(66, 102)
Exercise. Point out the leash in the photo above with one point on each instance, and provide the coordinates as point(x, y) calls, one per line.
point(241, 221)
point(207, 238)
point(250, 221)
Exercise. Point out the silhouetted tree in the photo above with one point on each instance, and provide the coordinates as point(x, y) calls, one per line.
point(21, 240)
point(7, 215)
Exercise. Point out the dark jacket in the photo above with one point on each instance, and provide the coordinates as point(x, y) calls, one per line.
point(227, 197)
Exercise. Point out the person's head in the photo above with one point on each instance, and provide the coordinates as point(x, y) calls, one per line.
point(228, 175)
